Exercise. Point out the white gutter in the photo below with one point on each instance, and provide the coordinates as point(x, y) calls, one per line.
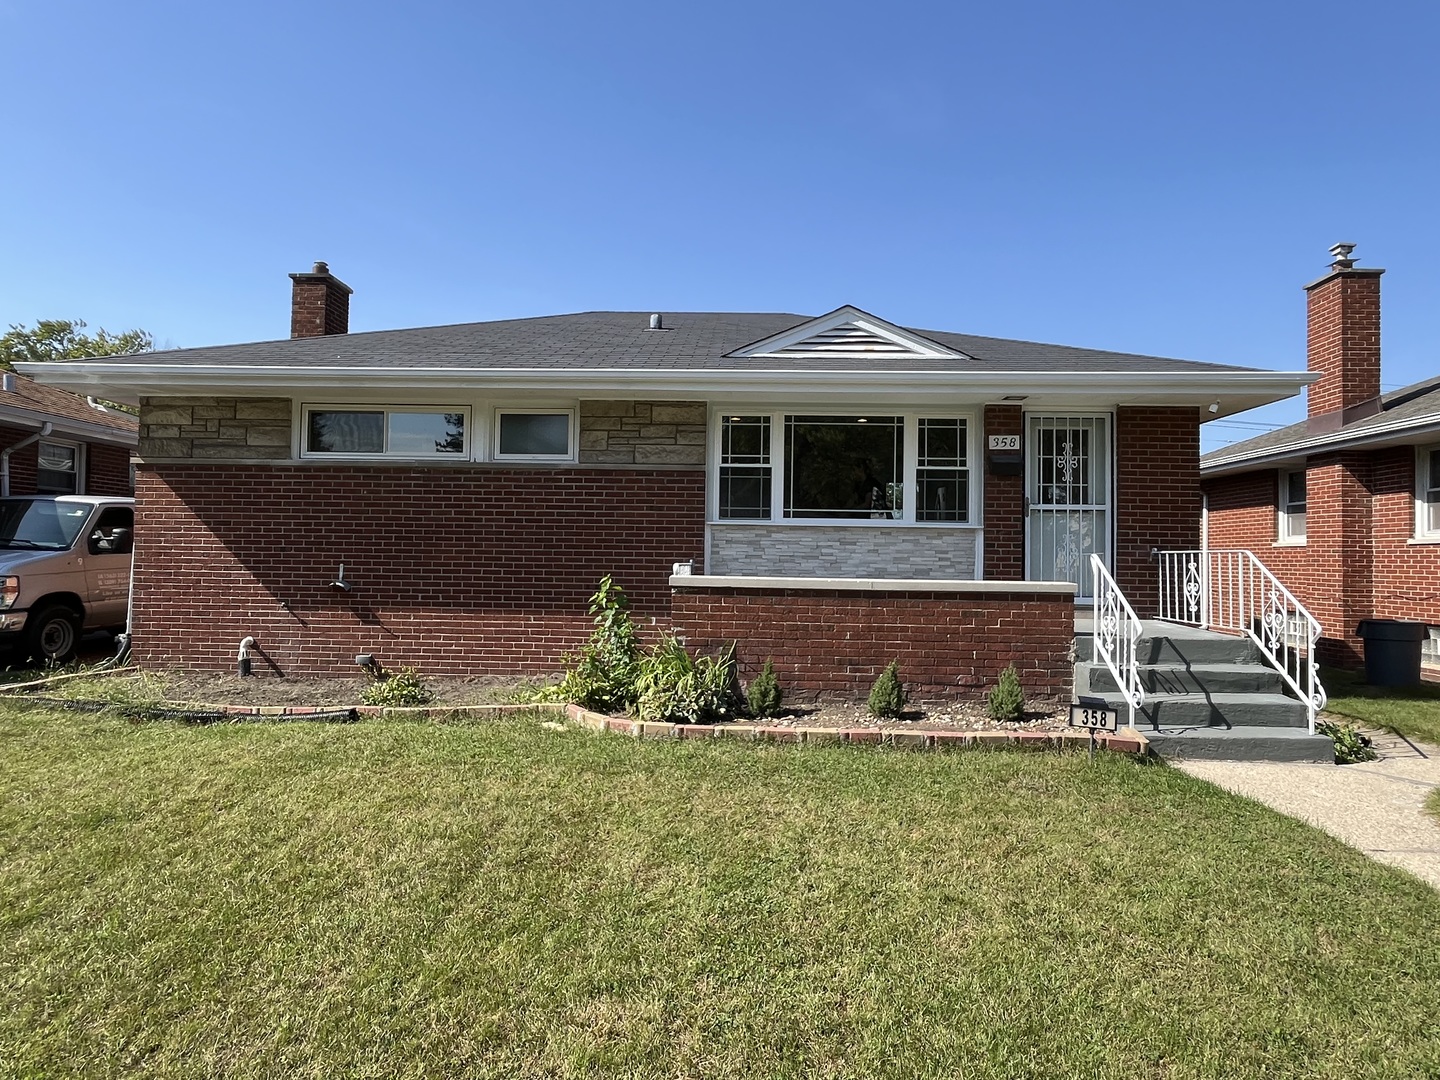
point(80, 429)
point(1422, 425)
point(88, 376)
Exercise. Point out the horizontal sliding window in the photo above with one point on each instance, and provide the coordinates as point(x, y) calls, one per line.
point(534, 434)
point(412, 433)
point(844, 467)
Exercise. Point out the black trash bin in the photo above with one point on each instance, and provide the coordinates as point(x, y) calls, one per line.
point(1392, 651)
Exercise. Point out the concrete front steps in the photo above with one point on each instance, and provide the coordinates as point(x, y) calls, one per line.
point(1207, 695)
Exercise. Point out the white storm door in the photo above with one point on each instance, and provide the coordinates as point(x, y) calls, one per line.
point(1067, 498)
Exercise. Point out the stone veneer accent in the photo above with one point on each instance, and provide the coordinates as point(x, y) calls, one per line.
point(642, 432)
point(842, 551)
point(215, 428)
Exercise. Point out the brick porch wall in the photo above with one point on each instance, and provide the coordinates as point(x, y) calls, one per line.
point(949, 644)
point(1157, 495)
point(476, 570)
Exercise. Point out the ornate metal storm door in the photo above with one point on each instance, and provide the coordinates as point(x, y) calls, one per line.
point(1067, 498)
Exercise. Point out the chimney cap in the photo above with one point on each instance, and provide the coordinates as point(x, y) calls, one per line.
point(1341, 254)
point(321, 272)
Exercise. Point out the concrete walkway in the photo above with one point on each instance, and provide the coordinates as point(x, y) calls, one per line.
point(1376, 807)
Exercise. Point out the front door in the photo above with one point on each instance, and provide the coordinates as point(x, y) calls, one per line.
point(1067, 498)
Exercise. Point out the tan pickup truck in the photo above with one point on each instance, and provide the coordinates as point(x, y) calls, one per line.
point(64, 570)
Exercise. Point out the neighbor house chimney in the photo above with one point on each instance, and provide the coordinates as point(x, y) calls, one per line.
point(1343, 339)
point(319, 304)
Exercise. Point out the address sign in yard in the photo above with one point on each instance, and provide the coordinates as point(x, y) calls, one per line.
point(1095, 717)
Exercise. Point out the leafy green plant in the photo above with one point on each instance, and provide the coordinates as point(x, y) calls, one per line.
point(397, 688)
point(673, 686)
point(602, 674)
point(1006, 701)
point(763, 695)
point(887, 696)
point(1351, 745)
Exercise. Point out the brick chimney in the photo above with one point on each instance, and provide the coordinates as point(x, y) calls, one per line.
point(319, 304)
point(1343, 339)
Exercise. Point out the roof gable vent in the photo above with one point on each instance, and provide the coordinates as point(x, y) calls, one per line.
point(851, 333)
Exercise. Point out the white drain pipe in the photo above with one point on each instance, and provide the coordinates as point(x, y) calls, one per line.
point(45, 429)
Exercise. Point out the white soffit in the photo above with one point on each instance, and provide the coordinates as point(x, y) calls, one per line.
point(848, 332)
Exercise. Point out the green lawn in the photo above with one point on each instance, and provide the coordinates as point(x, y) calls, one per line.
point(500, 899)
point(1412, 711)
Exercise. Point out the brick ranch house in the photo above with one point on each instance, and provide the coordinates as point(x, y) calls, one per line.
point(53, 442)
point(1344, 507)
point(846, 490)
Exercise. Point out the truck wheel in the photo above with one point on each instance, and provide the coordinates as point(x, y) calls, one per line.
point(52, 633)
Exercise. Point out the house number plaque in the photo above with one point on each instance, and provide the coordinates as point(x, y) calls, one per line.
point(1004, 442)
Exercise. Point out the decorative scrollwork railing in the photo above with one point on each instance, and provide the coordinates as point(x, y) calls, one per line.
point(1117, 629)
point(1232, 590)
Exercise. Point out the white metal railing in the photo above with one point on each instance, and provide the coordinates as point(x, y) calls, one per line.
point(1117, 629)
point(1231, 590)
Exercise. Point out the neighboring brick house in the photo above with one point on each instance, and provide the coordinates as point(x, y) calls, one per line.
point(923, 495)
point(1344, 507)
point(57, 443)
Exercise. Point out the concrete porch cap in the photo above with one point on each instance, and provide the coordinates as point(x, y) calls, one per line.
point(1037, 588)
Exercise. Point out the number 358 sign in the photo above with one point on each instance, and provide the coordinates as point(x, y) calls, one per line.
point(1004, 442)
point(1095, 716)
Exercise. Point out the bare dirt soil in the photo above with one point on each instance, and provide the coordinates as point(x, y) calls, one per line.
point(215, 689)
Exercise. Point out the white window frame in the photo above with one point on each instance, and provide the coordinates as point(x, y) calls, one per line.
point(1285, 515)
point(909, 482)
point(501, 411)
point(303, 434)
point(1427, 493)
point(79, 448)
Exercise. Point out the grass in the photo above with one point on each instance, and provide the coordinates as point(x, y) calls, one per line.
point(1410, 711)
point(1432, 804)
point(501, 899)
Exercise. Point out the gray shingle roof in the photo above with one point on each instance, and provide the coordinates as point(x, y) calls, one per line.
point(599, 340)
point(1417, 404)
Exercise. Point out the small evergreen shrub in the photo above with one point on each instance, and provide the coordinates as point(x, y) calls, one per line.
point(674, 687)
point(887, 696)
point(1006, 701)
point(396, 688)
point(1351, 746)
point(764, 693)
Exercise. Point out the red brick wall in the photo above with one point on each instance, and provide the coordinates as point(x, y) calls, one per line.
point(1357, 561)
point(107, 470)
point(1157, 495)
point(1004, 513)
point(319, 306)
point(1343, 339)
point(949, 645)
point(454, 571)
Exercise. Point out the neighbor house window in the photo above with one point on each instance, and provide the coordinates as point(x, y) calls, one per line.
point(534, 434)
point(744, 477)
point(942, 474)
point(1292, 507)
point(1427, 508)
point(386, 432)
point(57, 470)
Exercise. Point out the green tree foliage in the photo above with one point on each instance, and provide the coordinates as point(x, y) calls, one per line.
point(65, 339)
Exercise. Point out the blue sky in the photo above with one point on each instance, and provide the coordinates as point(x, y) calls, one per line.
point(1145, 177)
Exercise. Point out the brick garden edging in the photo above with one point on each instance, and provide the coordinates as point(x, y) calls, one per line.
point(1125, 741)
